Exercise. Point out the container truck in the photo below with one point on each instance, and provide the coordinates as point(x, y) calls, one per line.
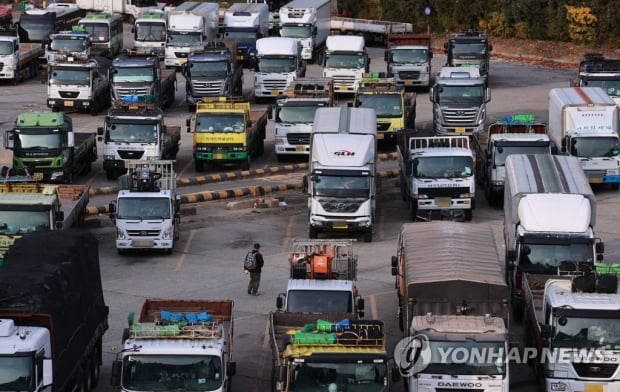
point(457, 302)
point(469, 48)
point(52, 312)
point(177, 344)
point(278, 63)
point(549, 217)
point(596, 70)
point(150, 32)
point(309, 22)
point(342, 183)
point(245, 23)
point(345, 60)
point(20, 60)
point(583, 122)
point(45, 144)
point(408, 59)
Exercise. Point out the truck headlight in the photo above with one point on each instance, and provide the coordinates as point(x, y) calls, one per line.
point(466, 195)
point(120, 233)
point(557, 386)
point(108, 157)
point(56, 175)
point(279, 140)
point(167, 233)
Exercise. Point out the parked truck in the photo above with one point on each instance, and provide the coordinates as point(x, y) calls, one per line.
point(437, 176)
point(76, 42)
point(53, 313)
point(227, 130)
point(20, 60)
point(27, 206)
point(136, 132)
point(469, 48)
point(146, 212)
point(150, 32)
point(278, 63)
point(342, 181)
point(136, 78)
point(373, 31)
point(345, 60)
point(517, 134)
point(246, 23)
point(308, 356)
point(395, 108)
point(213, 72)
point(322, 279)
point(309, 22)
point(45, 144)
point(75, 82)
point(408, 59)
point(583, 122)
point(595, 70)
point(574, 313)
point(177, 344)
point(190, 26)
point(293, 114)
point(459, 98)
point(456, 303)
point(549, 217)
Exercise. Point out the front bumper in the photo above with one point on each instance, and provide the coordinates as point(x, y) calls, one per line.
point(59, 103)
point(346, 225)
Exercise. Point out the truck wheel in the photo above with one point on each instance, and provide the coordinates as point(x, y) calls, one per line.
point(95, 365)
point(403, 189)
point(615, 186)
point(245, 165)
point(110, 174)
point(367, 236)
point(313, 232)
point(468, 214)
point(199, 165)
point(87, 378)
point(413, 209)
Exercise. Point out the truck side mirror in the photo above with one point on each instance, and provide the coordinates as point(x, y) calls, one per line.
point(231, 368)
point(59, 217)
point(430, 55)
point(47, 373)
point(386, 55)
point(270, 112)
point(490, 47)
point(280, 302)
point(360, 303)
point(511, 256)
point(280, 377)
point(545, 331)
point(8, 136)
point(112, 208)
point(488, 94)
point(115, 378)
point(304, 184)
point(431, 94)
point(394, 261)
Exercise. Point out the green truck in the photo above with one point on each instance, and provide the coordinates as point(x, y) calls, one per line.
point(45, 145)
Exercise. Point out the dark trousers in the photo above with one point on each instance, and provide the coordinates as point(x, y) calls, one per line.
point(254, 282)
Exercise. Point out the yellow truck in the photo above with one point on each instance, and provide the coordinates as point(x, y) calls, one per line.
point(30, 206)
point(226, 130)
point(395, 108)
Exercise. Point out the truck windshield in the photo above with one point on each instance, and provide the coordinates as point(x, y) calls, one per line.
point(469, 48)
point(26, 140)
point(546, 258)
point(209, 68)
point(296, 114)
point(595, 147)
point(443, 167)
point(245, 37)
point(295, 31)
point(213, 122)
point(461, 94)
point(68, 44)
point(342, 186)
point(279, 64)
point(143, 208)
point(386, 105)
point(6, 47)
point(132, 133)
point(409, 56)
point(172, 373)
point(504, 151)
point(586, 332)
point(184, 39)
point(612, 87)
point(16, 373)
point(323, 301)
point(150, 32)
point(68, 75)
point(473, 358)
point(317, 377)
point(345, 60)
point(23, 221)
point(99, 31)
point(132, 74)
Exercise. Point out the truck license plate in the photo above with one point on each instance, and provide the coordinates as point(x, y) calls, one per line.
point(593, 388)
point(342, 88)
point(300, 148)
point(340, 225)
point(596, 180)
point(408, 82)
point(380, 136)
point(443, 201)
point(68, 103)
point(143, 243)
point(219, 156)
point(274, 92)
point(459, 130)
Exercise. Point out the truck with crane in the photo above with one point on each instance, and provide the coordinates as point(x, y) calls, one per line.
point(309, 22)
point(20, 60)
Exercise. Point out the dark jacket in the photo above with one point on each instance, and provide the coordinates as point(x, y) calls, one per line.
point(259, 261)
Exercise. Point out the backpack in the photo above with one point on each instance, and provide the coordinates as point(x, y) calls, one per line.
point(250, 261)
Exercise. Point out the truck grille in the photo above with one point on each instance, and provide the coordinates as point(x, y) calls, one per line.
point(443, 192)
point(595, 370)
point(409, 75)
point(274, 84)
point(143, 233)
point(459, 117)
point(219, 147)
point(130, 154)
point(181, 55)
point(298, 139)
point(383, 127)
point(132, 91)
point(343, 80)
point(341, 205)
point(69, 94)
point(204, 89)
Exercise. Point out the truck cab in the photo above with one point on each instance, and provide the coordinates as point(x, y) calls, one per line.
point(278, 63)
point(345, 61)
point(309, 22)
point(76, 42)
point(470, 48)
point(150, 32)
point(408, 59)
point(246, 23)
point(595, 70)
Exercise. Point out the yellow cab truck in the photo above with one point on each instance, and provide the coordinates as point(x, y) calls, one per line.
point(226, 130)
point(395, 108)
point(27, 206)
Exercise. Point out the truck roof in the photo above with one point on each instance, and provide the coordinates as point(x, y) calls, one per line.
point(459, 73)
point(559, 293)
point(572, 96)
point(309, 88)
point(345, 120)
point(41, 119)
point(597, 63)
point(305, 4)
point(478, 328)
point(320, 285)
point(345, 43)
point(134, 59)
point(247, 8)
point(439, 145)
point(277, 46)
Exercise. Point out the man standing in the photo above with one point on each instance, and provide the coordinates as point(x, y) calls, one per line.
point(255, 269)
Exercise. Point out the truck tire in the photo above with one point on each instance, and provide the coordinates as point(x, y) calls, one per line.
point(95, 362)
point(110, 174)
point(403, 189)
point(413, 209)
point(367, 236)
point(245, 165)
point(199, 165)
point(469, 214)
point(313, 233)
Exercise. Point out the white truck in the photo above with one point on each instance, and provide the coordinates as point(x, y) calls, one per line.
point(190, 26)
point(583, 122)
point(549, 217)
point(408, 59)
point(452, 304)
point(342, 183)
point(245, 23)
point(345, 60)
point(309, 22)
point(146, 212)
point(437, 175)
point(19, 60)
point(73, 43)
point(293, 114)
point(459, 96)
point(150, 32)
point(595, 70)
point(278, 63)
point(322, 279)
point(177, 344)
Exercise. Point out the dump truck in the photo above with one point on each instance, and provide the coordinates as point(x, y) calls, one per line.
point(27, 206)
point(315, 351)
point(187, 342)
point(53, 312)
point(46, 143)
point(469, 48)
point(20, 60)
point(596, 70)
point(408, 59)
point(457, 302)
point(227, 130)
